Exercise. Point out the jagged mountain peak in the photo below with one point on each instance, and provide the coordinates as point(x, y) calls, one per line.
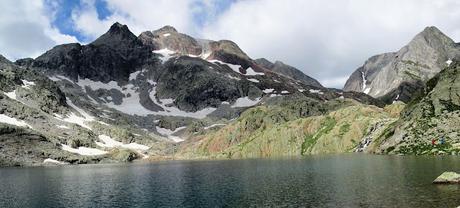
point(289, 71)
point(279, 63)
point(168, 37)
point(229, 47)
point(166, 28)
point(400, 75)
point(433, 37)
point(117, 32)
point(432, 30)
point(264, 62)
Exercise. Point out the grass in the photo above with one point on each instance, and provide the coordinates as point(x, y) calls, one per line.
point(310, 140)
point(344, 129)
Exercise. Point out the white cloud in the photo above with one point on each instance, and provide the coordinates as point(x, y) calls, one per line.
point(334, 82)
point(25, 29)
point(330, 39)
point(325, 39)
point(140, 16)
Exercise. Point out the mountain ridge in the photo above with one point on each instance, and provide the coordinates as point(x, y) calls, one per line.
point(421, 59)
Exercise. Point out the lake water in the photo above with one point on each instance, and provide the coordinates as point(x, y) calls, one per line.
point(350, 180)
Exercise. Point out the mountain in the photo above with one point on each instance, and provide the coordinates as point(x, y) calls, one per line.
point(124, 97)
point(289, 71)
point(113, 56)
point(433, 115)
point(40, 124)
point(401, 75)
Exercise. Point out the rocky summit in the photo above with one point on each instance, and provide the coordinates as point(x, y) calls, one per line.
point(165, 95)
point(401, 75)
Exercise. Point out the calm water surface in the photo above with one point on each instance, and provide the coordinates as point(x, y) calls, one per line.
point(352, 180)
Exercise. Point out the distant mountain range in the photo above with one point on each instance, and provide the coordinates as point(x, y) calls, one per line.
point(165, 95)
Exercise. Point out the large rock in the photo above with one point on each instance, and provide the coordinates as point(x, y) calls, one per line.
point(448, 177)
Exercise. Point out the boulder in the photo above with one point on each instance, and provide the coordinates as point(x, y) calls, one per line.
point(123, 155)
point(447, 177)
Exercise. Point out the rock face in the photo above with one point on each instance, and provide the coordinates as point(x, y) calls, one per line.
point(289, 71)
point(447, 177)
point(168, 37)
point(434, 115)
point(113, 56)
point(400, 75)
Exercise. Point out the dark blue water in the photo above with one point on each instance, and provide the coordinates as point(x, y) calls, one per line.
point(354, 180)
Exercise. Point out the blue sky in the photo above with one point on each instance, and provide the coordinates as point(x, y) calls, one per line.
point(63, 16)
point(326, 39)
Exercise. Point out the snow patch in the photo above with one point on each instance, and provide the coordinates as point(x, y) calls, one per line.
point(27, 84)
point(251, 72)
point(316, 91)
point(365, 89)
point(13, 121)
point(166, 54)
point(131, 104)
point(169, 133)
point(112, 143)
point(232, 77)
point(59, 78)
point(254, 80)
point(49, 160)
point(284, 92)
point(151, 82)
point(396, 99)
point(166, 34)
point(83, 150)
point(73, 118)
point(62, 127)
point(133, 75)
point(301, 90)
point(245, 102)
point(98, 85)
point(11, 94)
point(236, 68)
point(448, 62)
point(268, 90)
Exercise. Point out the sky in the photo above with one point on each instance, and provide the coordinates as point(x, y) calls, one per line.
point(326, 39)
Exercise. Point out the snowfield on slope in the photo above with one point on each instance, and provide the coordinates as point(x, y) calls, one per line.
point(112, 143)
point(13, 121)
point(83, 150)
point(170, 133)
point(245, 102)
